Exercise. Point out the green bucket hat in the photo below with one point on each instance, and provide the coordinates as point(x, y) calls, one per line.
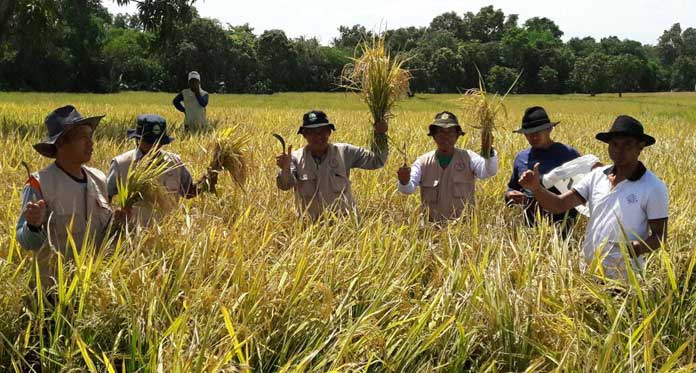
point(444, 119)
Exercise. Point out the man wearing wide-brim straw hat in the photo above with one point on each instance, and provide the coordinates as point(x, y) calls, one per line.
point(150, 134)
point(67, 198)
point(319, 172)
point(447, 175)
point(536, 128)
point(195, 101)
point(629, 205)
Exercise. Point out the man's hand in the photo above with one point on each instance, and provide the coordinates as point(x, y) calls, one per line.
point(404, 174)
point(121, 215)
point(381, 127)
point(208, 181)
point(531, 179)
point(516, 197)
point(33, 212)
point(284, 159)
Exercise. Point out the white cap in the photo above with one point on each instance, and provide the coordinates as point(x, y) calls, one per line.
point(194, 75)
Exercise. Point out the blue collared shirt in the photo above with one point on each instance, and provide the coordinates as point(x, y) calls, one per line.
point(556, 155)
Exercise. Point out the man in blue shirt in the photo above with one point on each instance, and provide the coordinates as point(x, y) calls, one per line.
point(537, 127)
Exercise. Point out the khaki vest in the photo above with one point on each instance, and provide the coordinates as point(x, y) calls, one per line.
point(171, 180)
point(195, 113)
point(445, 192)
point(323, 186)
point(68, 208)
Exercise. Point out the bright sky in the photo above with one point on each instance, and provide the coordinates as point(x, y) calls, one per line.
point(642, 20)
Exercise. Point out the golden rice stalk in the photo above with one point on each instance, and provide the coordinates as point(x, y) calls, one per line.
point(231, 154)
point(379, 79)
point(143, 184)
point(481, 109)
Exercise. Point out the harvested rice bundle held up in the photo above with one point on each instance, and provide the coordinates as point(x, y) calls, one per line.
point(379, 79)
point(231, 154)
point(481, 108)
point(143, 185)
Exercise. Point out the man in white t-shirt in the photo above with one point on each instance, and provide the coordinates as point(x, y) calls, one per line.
point(628, 204)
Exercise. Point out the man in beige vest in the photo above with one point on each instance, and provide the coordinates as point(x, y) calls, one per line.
point(66, 199)
point(151, 132)
point(320, 172)
point(447, 175)
point(195, 100)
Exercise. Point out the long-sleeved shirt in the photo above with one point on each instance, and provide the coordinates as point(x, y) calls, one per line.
point(202, 100)
point(27, 238)
point(548, 159)
point(33, 239)
point(353, 156)
point(180, 172)
point(483, 168)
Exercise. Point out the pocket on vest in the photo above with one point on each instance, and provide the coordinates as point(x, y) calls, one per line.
point(339, 183)
point(306, 185)
point(429, 193)
point(463, 190)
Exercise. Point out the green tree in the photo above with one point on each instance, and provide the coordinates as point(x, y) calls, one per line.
point(350, 37)
point(277, 59)
point(450, 22)
point(446, 70)
point(543, 24)
point(669, 44)
point(500, 79)
point(590, 73)
point(486, 25)
point(548, 80)
point(624, 73)
point(684, 73)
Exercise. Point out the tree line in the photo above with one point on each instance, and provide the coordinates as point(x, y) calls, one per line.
point(78, 46)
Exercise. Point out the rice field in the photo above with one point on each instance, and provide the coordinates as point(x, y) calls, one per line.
point(235, 282)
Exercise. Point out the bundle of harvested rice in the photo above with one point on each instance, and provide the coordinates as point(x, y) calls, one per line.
point(481, 109)
point(143, 186)
point(231, 154)
point(379, 79)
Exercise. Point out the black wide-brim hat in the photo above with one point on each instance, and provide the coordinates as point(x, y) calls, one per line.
point(625, 125)
point(60, 122)
point(152, 128)
point(534, 120)
point(315, 119)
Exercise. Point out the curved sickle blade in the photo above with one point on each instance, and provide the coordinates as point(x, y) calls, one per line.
point(281, 139)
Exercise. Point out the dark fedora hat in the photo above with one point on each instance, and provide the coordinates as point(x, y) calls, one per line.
point(444, 119)
point(625, 125)
point(315, 119)
point(58, 123)
point(535, 119)
point(152, 128)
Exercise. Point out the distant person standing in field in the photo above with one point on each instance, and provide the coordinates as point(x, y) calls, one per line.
point(549, 154)
point(447, 175)
point(629, 205)
point(195, 100)
point(66, 199)
point(150, 135)
point(319, 173)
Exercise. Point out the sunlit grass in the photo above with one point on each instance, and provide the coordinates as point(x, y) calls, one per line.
point(235, 282)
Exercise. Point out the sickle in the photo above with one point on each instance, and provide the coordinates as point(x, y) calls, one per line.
point(281, 139)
